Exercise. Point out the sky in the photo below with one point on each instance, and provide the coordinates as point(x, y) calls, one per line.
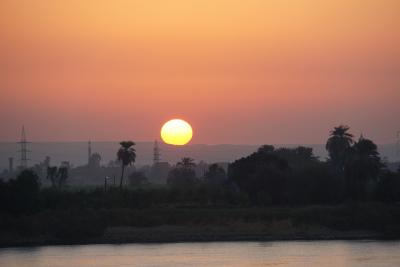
point(240, 72)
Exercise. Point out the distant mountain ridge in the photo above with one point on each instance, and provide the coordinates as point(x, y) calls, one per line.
point(77, 152)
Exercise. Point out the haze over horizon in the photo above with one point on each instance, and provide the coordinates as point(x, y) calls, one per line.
point(77, 154)
point(258, 72)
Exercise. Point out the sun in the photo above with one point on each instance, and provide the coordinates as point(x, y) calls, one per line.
point(176, 132)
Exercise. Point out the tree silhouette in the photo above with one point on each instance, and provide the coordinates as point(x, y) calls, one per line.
point(62, 176)
point(215, 174)
point(266, 149)
point(24, 191)
point(94, 161)
point(362, 166)
point(126, 155)
point(388, 187)
point(52, 175)
point(262, 176)
point(57, 176)
point(183, 175)
point(186, 163)
point(338, 144)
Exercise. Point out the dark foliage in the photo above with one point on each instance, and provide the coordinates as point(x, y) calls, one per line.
point(284, 179)
point(126, 155)
point(338, 145)
point(388, 187)
point(215, 175)
point(22, 194)
point(314, 185)
point(183, 175)
point(262, 175)
point(362, 168)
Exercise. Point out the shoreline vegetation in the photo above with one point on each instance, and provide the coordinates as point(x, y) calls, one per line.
point(272, 194)
point(173, 237)
point(373, 221)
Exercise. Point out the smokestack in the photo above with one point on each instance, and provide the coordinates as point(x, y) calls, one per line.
point(10, 164)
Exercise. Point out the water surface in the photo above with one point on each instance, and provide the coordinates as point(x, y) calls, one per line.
point(249, 254)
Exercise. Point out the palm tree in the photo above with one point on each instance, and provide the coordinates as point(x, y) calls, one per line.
point(363, 166)
point(186, 163)
point(127, 155)
point(338, 145)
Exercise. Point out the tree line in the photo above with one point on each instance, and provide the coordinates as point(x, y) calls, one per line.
point(354, 172)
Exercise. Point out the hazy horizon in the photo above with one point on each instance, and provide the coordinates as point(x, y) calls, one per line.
point(152, 141)
point(77, 154)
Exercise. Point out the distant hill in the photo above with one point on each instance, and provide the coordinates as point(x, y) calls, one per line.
point(76, 152)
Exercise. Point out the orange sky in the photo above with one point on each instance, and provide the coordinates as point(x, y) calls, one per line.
point(254, 71)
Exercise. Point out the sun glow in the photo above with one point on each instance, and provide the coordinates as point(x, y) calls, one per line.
point(176, 132)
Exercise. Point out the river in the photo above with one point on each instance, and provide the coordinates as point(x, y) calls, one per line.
point(249, 254)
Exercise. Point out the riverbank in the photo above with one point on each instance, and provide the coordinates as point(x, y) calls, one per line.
point(173, 224)
point(174, 234)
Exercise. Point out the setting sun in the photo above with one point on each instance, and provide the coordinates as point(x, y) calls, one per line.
point(176, 132)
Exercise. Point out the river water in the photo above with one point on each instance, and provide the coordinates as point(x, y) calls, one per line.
point(249, 254)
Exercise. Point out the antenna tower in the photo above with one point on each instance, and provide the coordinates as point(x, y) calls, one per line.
point(23, 150)
point(156, 153)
